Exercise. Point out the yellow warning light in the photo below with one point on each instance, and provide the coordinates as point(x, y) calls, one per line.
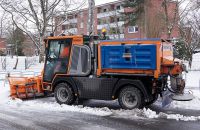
point(103, 30)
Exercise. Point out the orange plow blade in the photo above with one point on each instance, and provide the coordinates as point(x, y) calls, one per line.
point(25, 87)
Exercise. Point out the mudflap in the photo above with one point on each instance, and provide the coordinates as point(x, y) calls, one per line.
point(182, 97)
point(166, 98)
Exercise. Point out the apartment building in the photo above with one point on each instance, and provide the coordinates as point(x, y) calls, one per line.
point(107, 16)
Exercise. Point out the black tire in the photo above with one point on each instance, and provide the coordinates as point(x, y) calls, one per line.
point(130, 98)
point(64, 94)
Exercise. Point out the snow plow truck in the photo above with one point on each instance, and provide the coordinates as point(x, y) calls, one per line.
point(134, 71)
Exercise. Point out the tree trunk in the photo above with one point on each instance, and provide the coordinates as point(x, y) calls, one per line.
point(41, 51)
point(91, 16)
point(16, 63)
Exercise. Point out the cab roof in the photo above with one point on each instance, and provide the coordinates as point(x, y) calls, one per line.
point(64, 37)
point(133, 39)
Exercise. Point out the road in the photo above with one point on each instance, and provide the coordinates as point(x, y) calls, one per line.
point(14, 118)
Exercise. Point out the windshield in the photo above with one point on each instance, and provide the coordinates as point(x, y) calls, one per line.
point(58, 52)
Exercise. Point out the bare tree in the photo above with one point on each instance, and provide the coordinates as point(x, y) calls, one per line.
point(2, 20)
point(154, 26)
point(190, 36)
point(31, 16)
point(173, 15)
point(196, 4)
point(91, 7)
point(56, 20)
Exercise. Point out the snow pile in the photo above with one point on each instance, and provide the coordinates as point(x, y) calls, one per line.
point(179, 117)
point(135, 113)
point(149, 114)
point(53, 106)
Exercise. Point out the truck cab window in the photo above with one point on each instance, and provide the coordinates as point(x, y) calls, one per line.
point(57, 58)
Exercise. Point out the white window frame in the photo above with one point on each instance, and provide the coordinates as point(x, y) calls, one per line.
point(81, 25)
point(119, 7)
point(132, 29)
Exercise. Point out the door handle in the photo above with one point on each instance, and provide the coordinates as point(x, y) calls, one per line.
point(127, 55)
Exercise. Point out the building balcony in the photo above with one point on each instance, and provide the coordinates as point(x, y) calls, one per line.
point(71, 30)
point(110, 13)
point(110, 25)
point(68, 21)
point(116, 36)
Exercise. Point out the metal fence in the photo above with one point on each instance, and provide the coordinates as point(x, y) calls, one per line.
point(27, 62)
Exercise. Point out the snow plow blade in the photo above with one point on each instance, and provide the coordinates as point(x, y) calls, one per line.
point(177, 87)
point(25, 87)
point(183, 97)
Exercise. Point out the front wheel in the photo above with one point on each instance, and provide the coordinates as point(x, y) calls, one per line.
point(64, 94)
point(130, 98)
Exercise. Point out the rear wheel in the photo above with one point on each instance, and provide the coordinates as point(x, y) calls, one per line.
point(130, 98)
point(64, 94)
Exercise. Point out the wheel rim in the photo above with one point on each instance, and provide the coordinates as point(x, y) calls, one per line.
point(62, 94)
point(130, 99)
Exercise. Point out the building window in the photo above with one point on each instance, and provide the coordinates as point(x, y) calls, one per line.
point(112, 7)
point(73, 25)
point(81, 14)
point(69, 17)
point(81, 26)
point(104, 21)
point(118, 7)
point(58, 28)
point(98, 10)
point(112, 19)
point(133, 29)
point(121, 30)
point(99, 32)
point(63, 18)
point(99, 21)
point(63, 27)
point(118, 19)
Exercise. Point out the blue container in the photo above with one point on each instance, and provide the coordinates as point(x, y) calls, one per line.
point(137, 56)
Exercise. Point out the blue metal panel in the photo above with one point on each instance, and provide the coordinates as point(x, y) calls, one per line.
point(128, 57)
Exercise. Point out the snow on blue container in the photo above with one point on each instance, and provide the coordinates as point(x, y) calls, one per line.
point(137, 56)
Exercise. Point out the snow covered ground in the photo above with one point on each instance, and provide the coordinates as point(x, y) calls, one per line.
point(49, 104)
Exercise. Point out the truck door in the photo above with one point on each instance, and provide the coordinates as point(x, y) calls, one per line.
point(57, 58)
